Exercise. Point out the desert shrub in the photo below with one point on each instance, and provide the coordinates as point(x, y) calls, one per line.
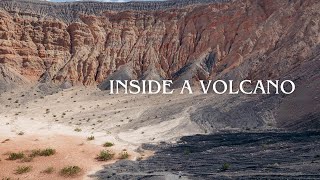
point(48, 170)
point(23, 169)
point(77, 129)
point(104, 155)
point(90, 138)
point(15, 156)
point(225, 167)
point(70, 171)
point(35, 152)
point(108, 144)
point(47, 152)
point(124, 155)
point(6, 178)
point(44, 152)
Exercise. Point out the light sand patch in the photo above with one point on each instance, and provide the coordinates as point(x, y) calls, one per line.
point(160, 132)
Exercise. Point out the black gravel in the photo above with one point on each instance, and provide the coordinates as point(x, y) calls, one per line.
point(267, 155)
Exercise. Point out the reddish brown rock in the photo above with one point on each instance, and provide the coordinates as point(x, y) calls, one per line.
point(246, 39)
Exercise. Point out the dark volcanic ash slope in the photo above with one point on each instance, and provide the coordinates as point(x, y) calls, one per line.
point(269, 155)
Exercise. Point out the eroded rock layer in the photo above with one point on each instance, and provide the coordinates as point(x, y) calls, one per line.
point(243, 39)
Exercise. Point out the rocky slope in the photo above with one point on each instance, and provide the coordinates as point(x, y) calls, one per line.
point(241, 39)
point(87, 43)
point(44, 45)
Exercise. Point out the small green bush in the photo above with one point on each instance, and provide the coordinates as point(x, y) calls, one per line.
point(47, 152)
point(104, 155)
point(70, 171)
point(124, 155)
point(225, 167)
point(15, 156)
point(23, 169)
point(44, 152)
point(108, 144)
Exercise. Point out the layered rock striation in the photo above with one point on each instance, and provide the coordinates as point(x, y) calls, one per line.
point(86, 43)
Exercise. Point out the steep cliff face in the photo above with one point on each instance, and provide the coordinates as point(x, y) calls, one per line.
point(239, 39)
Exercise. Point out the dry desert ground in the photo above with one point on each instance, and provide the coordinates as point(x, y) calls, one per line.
point(76, 122)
